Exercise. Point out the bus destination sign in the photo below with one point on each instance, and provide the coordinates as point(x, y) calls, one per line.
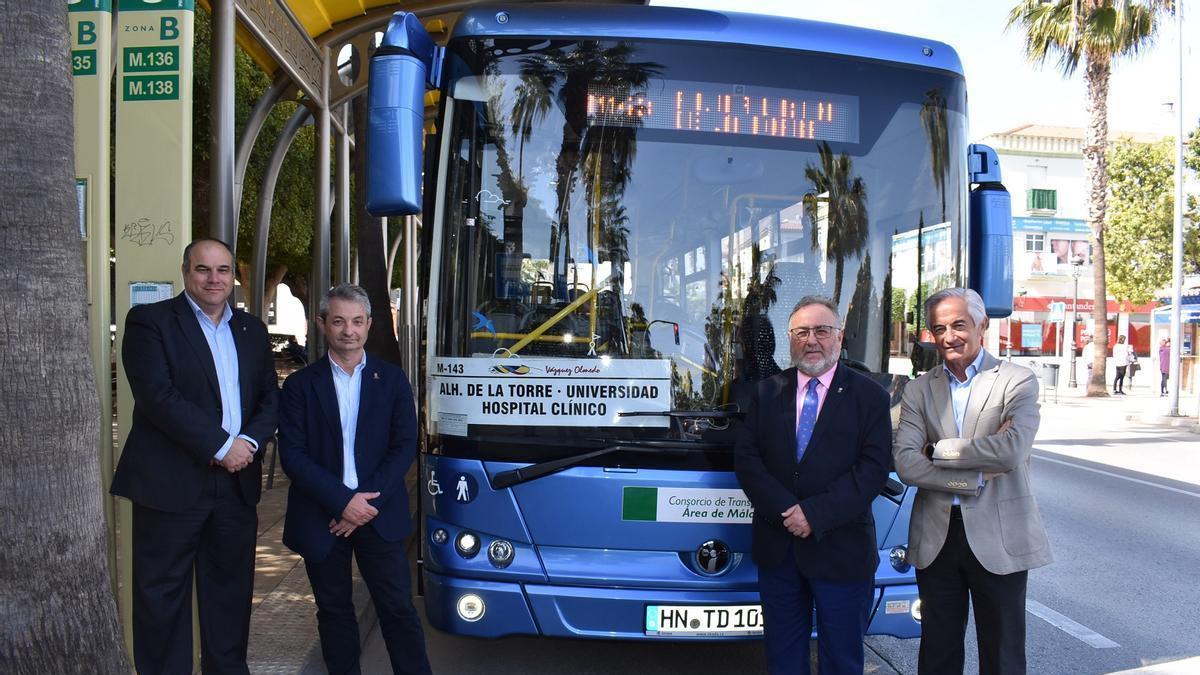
point(723, 108)
point(548, 392)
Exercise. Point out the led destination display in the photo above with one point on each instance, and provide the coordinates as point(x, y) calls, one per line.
point(723, 108)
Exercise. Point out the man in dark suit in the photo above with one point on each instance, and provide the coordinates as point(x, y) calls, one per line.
point(812, 456)
point(965, 440)
point(347, 436)
point(205, 400)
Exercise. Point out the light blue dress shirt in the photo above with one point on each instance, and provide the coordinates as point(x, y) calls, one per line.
point(348, 387)
point(960, 395)
point(219, 337)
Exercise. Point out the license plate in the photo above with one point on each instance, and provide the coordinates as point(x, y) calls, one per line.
point(704, 620)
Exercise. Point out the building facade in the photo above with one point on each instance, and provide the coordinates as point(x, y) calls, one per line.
point(1044, 172)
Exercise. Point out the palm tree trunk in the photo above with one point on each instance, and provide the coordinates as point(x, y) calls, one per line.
point(56, 602)
point(1095, 161)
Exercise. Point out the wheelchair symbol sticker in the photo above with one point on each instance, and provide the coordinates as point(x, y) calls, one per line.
point(433, 487)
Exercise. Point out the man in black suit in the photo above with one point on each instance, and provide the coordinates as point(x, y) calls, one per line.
point(813, 454)
point(347, 436)
point(205, 401)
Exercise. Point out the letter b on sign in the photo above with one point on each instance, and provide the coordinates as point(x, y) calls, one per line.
point(87, 33)
point(168, 28)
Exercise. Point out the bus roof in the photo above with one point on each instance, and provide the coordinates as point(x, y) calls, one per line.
point(695, 25)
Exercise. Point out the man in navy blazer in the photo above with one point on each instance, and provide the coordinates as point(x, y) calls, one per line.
point(814, 452)
point(205, 400)
point(347, 436)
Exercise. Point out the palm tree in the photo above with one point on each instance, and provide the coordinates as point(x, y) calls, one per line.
point(935, 122)
point(567, 74)
point(1096, 32)
point(845, 197)
point(56, 602)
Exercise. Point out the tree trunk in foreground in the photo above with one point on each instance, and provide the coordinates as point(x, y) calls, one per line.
point(56, 602)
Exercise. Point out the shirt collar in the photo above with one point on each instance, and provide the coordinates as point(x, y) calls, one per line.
point(972, 370)
point(225, 316)
point(337, 370)
point(824, 378)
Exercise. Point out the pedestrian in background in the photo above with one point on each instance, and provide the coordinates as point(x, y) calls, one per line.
point(1121, 359)
point(1089, 356)
point(1164, 364)
point(1133, 366)
point(813, 454)
point(965, 440)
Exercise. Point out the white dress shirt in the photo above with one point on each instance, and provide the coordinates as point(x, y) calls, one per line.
point(960, 395)
point(219, 337)
point(348, 387)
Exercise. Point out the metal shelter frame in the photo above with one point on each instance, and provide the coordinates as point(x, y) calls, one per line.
point(299, 41)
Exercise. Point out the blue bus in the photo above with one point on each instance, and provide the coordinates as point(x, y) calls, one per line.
point(621, 206)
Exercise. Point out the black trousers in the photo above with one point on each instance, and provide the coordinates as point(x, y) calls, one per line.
point(214, 542)
point(1118, 382)
point(1162, 385)
point(384, 566)
point(999, 601)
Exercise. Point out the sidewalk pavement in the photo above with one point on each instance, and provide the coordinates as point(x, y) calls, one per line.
point(1100, 429)
point(283, 616)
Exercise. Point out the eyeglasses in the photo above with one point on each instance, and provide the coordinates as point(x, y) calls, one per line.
point(819, 332)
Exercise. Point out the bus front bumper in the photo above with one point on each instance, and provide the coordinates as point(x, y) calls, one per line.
point(493, 609)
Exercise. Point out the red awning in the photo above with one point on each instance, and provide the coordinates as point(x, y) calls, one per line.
point(1042, 304)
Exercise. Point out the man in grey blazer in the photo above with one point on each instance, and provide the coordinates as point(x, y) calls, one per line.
point(965, 438)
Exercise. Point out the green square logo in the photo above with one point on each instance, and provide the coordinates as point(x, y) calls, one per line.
point(639, 503)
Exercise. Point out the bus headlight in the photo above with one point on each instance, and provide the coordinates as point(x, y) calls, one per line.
point(439, 536)
point(500, 553)
point(470, 607)
point(467, 544)
point(899, 559)
point(916, 610)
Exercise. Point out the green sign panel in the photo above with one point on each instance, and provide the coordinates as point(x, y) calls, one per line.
point(156, 5)
point(89, 5)
point(151, 88)
point(151, 59)
point(83, 61)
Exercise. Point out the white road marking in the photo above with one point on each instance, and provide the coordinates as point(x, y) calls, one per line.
point(1181, 667)
point(1117, 475)
point(1069, 626)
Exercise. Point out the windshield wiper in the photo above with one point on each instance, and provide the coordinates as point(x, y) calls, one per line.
point(710, 414)
point(661, 447)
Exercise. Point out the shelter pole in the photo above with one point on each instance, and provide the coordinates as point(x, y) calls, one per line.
point(342, 215)
point(320, 245)
point(254, 124)
point(266, 201)
point(221, 136)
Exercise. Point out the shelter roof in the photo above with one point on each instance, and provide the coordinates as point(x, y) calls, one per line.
point(318, 19)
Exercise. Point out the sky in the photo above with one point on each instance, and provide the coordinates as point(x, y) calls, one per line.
point(1004, 90)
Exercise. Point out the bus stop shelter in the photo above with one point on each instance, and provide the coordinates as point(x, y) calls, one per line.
point(135, 57)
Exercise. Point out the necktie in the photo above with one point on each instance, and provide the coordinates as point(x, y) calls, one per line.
point(808, 418)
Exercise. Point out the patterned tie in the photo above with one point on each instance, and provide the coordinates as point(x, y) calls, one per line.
point(808, 419)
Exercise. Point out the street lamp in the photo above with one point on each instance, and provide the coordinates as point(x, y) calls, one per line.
point(1076, 264)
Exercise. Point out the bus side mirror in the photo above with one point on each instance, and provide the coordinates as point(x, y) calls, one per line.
point(404, 63)
point(991, 252)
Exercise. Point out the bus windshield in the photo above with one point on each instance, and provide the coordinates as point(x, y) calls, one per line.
point(626, 225)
